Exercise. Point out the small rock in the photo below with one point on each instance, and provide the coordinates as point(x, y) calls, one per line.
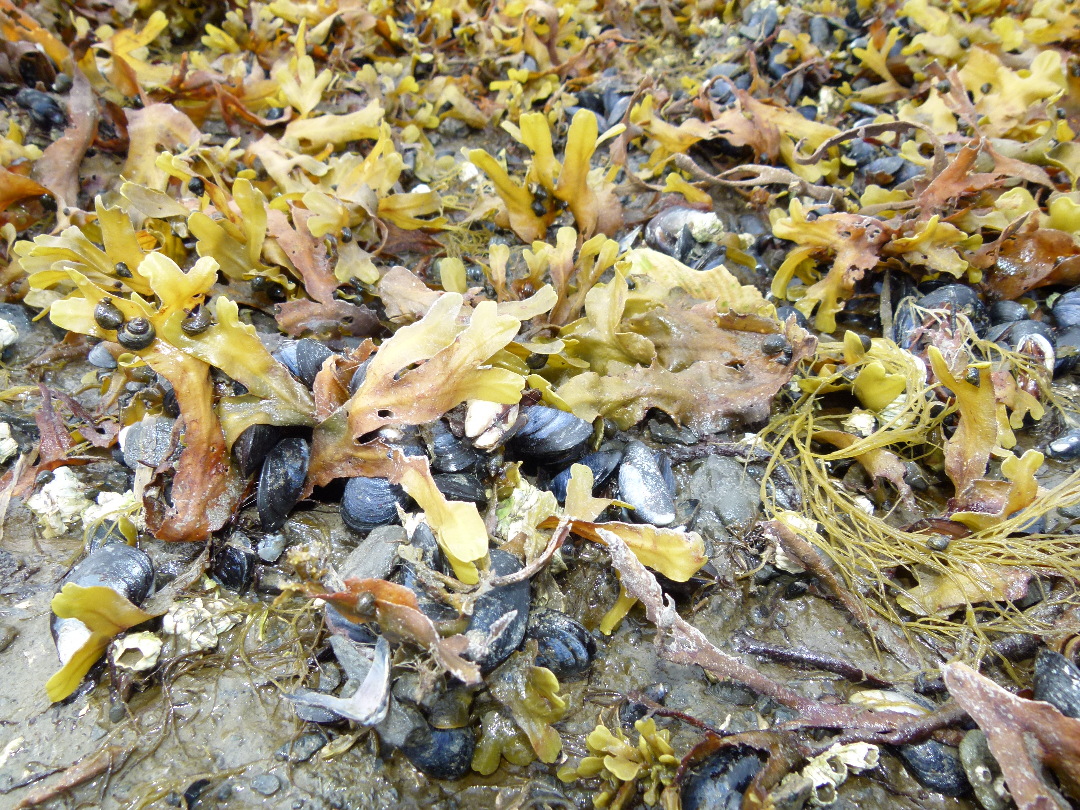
point(302, 748)
point(147, 442)
point(729, 499)
point(313, 714)
point(7, 635)
point(266, 783)
point(271, 546)
point(375, 555)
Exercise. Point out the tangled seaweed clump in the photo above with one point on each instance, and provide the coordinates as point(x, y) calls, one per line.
point(487, 336)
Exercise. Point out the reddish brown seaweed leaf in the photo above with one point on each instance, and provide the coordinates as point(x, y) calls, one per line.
point(1023, 735)
point(680, 642)
point(398, 613)
point(58, 168)
point(204, 490)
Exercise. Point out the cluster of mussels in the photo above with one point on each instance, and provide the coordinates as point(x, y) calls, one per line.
point(466, 450)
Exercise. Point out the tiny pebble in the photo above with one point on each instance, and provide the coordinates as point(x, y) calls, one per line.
point(271, 546)
point(302, 749)
point(266, 783)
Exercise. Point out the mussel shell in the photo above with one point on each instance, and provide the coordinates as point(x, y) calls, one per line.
point(233, 567)
point(124, 568)
point(441, 753)
point(286, 355)
point(1067, 309)
point(1007, 312)
point(1012, 333)
point(338, 625)
point(45, 111)
point(371, 502)
point(783, 313)
point(959, 298)
point(603, 465)
point(671, 231)
point(250, 448)
point(936, 766)
point(1066, 345)
point(1057, 681)
point(564, 646)
point(461, 487)
point(647, 484)
point(447, 452)
point(551, 436)
point(281, 481)
point(493, 606)
point(359, 376)
point(310, 356)
point(954, 298)
point(719, 782)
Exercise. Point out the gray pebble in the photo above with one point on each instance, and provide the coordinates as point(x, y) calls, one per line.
point(147, 442)
point(302, 748)
point(374, 557)
point(311, 714)
point(266, 783)
point(729, 498)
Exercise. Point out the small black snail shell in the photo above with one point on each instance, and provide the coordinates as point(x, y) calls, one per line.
point(138, 333)
point(197, 321)
point(107, 315)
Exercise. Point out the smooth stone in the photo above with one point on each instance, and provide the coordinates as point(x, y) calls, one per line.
point(729, 499)
point(303, 748)
point(313, 714)
point(147, 442)
point(266, 784)
point(376, 555)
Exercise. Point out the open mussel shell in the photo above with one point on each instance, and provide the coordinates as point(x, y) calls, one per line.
point(603, 465)
point(1057, 681)
point(550, 436)
point(123, 568)
point(281, 481)
point(371, 502)
point(563, 646)
point(646, 483)
point(493, 632)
